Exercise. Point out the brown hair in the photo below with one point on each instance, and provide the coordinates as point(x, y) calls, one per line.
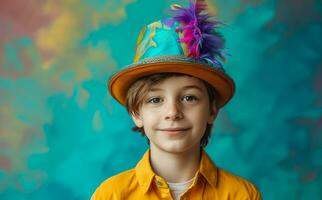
point(139, 89)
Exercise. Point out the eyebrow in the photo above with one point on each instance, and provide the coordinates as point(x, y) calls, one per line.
point(183, 88)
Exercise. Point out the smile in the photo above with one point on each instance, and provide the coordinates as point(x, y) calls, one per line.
point(173, 131)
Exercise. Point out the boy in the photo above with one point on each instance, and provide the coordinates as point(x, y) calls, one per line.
point(173, 92)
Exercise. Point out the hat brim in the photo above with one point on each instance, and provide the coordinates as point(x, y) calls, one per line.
point(121, 81)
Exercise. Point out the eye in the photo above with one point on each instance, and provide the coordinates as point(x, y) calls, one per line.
point(155, 100)
point(189, 98)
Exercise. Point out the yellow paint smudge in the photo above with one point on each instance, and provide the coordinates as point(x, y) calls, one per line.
point(82, 98)
point(97, 121)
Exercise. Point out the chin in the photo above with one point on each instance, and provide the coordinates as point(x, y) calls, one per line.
point(176, 147)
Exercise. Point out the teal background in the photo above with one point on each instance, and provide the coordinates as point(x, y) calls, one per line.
point(61, 134)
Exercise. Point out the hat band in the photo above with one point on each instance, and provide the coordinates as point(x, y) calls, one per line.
point(176, 58)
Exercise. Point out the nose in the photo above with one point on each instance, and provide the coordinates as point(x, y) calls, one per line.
point(173, 111)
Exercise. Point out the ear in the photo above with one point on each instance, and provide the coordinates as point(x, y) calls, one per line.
point(213, 114)
point(137, 120)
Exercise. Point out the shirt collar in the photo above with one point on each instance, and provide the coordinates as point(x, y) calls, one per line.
point(208, 169)
point(145, 173)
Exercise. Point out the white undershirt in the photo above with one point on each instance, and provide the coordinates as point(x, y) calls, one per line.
point(179, 188)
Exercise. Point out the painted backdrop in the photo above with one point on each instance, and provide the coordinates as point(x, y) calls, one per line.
point(61, 133)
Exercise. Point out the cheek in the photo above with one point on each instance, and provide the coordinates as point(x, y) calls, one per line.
point(149, 119)
point(201, 116)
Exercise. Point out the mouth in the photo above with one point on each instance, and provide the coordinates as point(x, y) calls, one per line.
point(173, 131)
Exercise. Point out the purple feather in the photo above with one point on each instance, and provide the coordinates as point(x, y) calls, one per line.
point(199, 34)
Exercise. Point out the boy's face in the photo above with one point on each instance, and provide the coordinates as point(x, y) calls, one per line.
point(175, 113)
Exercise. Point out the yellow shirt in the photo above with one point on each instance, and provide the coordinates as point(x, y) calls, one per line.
point(142, 183)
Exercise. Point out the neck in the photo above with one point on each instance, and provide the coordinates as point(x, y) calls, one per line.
point(175, 167)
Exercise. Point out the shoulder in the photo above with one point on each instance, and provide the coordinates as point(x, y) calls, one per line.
point(237, 185)
point(113, 187)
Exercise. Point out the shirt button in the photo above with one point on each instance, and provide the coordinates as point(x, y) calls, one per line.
point(159, 183)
